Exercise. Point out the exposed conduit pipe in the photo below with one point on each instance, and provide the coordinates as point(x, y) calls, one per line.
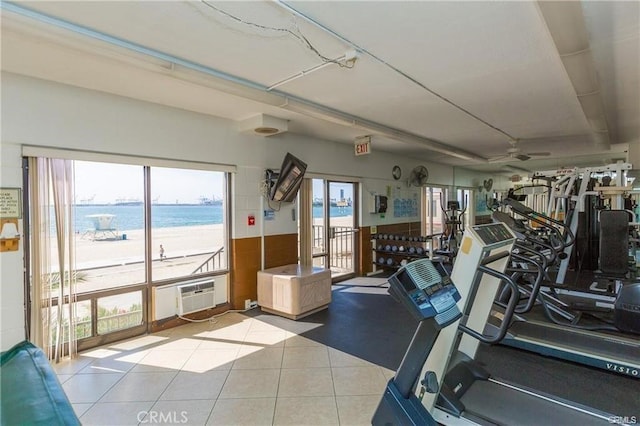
point(388, 65)
point(231, 84)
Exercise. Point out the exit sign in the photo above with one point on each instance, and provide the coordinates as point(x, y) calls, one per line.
point(363, 145)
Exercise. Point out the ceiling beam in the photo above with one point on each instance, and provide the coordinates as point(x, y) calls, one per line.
point(565, 21)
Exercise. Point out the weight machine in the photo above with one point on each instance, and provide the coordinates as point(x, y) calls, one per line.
point(575, 196)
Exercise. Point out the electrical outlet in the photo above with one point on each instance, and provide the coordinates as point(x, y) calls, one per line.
point(247, 304)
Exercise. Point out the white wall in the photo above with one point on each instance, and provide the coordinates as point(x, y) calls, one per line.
point(41, 113)
point(11, 263)
point(471, 179)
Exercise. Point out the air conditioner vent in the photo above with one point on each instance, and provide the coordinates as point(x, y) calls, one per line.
point(196, 296)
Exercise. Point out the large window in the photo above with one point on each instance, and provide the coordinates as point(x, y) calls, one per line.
point(133, 227)
point(109, 223)
point(186, 229)
point(187, 217)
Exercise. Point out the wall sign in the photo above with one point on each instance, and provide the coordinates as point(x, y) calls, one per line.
point(10, 203)
point(363, 146)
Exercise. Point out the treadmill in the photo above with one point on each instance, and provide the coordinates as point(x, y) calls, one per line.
point(601, 346)
point(466, 393)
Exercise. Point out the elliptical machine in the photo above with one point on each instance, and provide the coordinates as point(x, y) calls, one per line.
point(453, 230)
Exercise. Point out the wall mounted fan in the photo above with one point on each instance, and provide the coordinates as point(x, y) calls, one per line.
point(515, 153)
point(418, 176)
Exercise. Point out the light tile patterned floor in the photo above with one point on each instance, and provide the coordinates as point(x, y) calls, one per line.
point(236, 371)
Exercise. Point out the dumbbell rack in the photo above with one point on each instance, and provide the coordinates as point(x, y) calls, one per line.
point(391, 251)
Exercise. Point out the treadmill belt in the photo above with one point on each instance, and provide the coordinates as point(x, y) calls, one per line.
point(594, 344)
point(506, 406)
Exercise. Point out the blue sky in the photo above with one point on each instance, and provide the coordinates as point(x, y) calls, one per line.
point(334, 189)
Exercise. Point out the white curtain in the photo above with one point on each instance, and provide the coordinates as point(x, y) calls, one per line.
point(53, 280)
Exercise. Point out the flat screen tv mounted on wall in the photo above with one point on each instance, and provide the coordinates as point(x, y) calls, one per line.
point(289, 179)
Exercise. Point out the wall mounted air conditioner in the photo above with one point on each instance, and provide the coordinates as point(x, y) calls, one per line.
point(196, 296)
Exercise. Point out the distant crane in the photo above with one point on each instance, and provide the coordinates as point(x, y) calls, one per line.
point(88, 200)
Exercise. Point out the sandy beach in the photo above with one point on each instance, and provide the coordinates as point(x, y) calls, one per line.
point(112, 260)
point(177, 242)
point(129, 246)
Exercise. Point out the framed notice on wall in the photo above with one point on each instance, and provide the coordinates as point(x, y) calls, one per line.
point(10, 203)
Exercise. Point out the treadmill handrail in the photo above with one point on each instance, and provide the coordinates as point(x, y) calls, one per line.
point(508, 313)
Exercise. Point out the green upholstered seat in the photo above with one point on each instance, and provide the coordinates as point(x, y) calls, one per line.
point(31, 393)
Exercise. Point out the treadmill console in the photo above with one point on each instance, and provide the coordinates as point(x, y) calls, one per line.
point(425, 293)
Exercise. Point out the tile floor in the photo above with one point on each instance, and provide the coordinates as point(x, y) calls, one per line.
point(236, 371)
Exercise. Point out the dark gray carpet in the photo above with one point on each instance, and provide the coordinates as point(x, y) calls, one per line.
point(366, 322)
point(362, 321)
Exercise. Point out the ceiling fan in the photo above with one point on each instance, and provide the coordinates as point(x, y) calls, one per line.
point(515, 153)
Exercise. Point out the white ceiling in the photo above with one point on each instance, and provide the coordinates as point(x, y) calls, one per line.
point(430, 77)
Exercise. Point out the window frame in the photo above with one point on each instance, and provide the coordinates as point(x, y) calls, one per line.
point(146, 287)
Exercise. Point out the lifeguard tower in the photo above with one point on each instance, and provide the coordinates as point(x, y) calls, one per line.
point(103, 227)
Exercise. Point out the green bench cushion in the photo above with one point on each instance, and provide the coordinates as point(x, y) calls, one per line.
point(31, 393)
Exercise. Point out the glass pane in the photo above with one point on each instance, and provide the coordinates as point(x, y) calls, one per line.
point(467, 199)
point(319, 261)
point(187, 222)
point(82, 320)
point(109, 223)
point(435, 198)
point(119, 312)
point(341, 223)
point(318, 218)
point(428, 196)
point(439, 199)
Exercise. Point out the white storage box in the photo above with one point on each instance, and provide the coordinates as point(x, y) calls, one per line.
point(294, 291)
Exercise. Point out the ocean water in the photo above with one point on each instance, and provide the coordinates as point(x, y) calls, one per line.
point(128, 218)
point(164, 216)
